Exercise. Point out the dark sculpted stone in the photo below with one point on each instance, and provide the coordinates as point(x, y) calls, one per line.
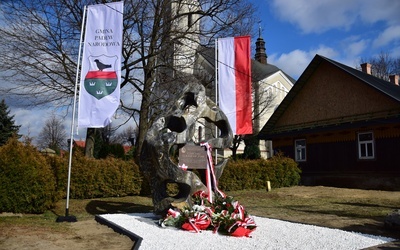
point(175, 129)
point(392, 220)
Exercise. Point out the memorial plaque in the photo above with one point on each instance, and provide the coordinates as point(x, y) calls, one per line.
point(194, 157)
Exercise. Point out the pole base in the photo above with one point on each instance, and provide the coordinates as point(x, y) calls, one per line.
point(69, 218)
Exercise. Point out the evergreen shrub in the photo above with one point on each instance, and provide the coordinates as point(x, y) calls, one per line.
point(252, 149)
point(94, 178)
point(253, 174)
point(111, 150)
point(27, 184)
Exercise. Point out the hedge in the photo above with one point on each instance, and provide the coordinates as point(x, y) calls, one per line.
point(27, 184)
point(32, 183)
point(254, 174)
point(93, 178)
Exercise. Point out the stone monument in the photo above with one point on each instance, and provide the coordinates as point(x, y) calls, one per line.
point(176, 128)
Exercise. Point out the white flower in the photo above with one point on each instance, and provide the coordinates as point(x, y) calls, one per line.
point(198, 208)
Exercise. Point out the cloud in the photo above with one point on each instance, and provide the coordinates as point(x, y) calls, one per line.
point(374, 26)
point(30, 120)
point(395, 52)
point(372, 11)
point(353, 46)
point(315, 16)
point(389, 35)
point(296, 61)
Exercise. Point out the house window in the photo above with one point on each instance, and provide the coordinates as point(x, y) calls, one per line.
point(300, 149)
point(366, 145)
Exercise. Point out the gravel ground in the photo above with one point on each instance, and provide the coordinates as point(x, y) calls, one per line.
point(270, 234)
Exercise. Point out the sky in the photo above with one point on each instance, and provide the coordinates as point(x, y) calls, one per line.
point(343, 30)
point(295, 31)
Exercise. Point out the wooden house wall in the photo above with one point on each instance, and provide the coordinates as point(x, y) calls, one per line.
point(328, 112)
point(337, 150)
point(332, 159)
point(331, 93)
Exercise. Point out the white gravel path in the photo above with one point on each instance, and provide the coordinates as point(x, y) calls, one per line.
point(270, 234)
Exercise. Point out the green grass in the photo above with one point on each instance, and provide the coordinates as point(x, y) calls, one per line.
point(347, 209)
point(282, 201)
point(84, 209)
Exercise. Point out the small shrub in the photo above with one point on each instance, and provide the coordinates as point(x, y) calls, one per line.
point(27, 181)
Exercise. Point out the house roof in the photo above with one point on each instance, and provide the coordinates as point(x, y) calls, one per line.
point(388, 89)
point(80, 143)
point(83, 143)
point(259, 70)
point(379, 84)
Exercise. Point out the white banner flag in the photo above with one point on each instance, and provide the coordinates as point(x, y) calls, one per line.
point(100, 81)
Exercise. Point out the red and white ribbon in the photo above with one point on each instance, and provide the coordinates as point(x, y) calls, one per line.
point(200, 221)
point(210, 175)
point(183, 167)
point(173, 213)
point(238, 213)
point(247, 222)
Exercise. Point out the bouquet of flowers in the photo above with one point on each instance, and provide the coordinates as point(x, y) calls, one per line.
point(224, 215)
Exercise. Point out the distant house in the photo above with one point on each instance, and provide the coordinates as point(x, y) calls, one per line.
point(80, 144)
point(341, 125)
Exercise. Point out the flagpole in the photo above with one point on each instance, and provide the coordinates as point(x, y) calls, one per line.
point(216, 92)
point(67, 217)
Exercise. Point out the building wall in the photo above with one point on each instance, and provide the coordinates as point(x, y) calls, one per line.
point(331, 93)
point(188, 26)
point(276, 85)
point(332, 157)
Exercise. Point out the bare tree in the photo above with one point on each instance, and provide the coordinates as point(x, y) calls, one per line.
point(53, 134)
point(383, 65)
point(39, 43)
point(167, 38)
point(127, 136)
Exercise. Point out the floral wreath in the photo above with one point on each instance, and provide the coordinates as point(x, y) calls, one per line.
point(224, 215)
point(216, 211)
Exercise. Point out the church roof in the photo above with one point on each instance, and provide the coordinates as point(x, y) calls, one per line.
point(261, 71)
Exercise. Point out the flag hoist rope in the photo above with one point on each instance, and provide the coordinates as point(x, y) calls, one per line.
point(216, 88)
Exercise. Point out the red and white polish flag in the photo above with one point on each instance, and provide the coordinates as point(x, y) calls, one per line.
point(234, 80)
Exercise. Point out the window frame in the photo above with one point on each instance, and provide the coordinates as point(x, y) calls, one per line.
point(296, 146)
point(363, 144)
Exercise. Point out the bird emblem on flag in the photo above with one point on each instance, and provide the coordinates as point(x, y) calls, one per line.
point(101, 80)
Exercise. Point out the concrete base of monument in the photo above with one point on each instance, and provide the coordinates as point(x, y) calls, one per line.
point(144, 230)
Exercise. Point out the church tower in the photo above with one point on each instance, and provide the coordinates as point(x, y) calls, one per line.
point(178, 40)
point(261, 55)
point(185, 34)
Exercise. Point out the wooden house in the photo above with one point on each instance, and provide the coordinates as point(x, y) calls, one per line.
point(341, 125)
